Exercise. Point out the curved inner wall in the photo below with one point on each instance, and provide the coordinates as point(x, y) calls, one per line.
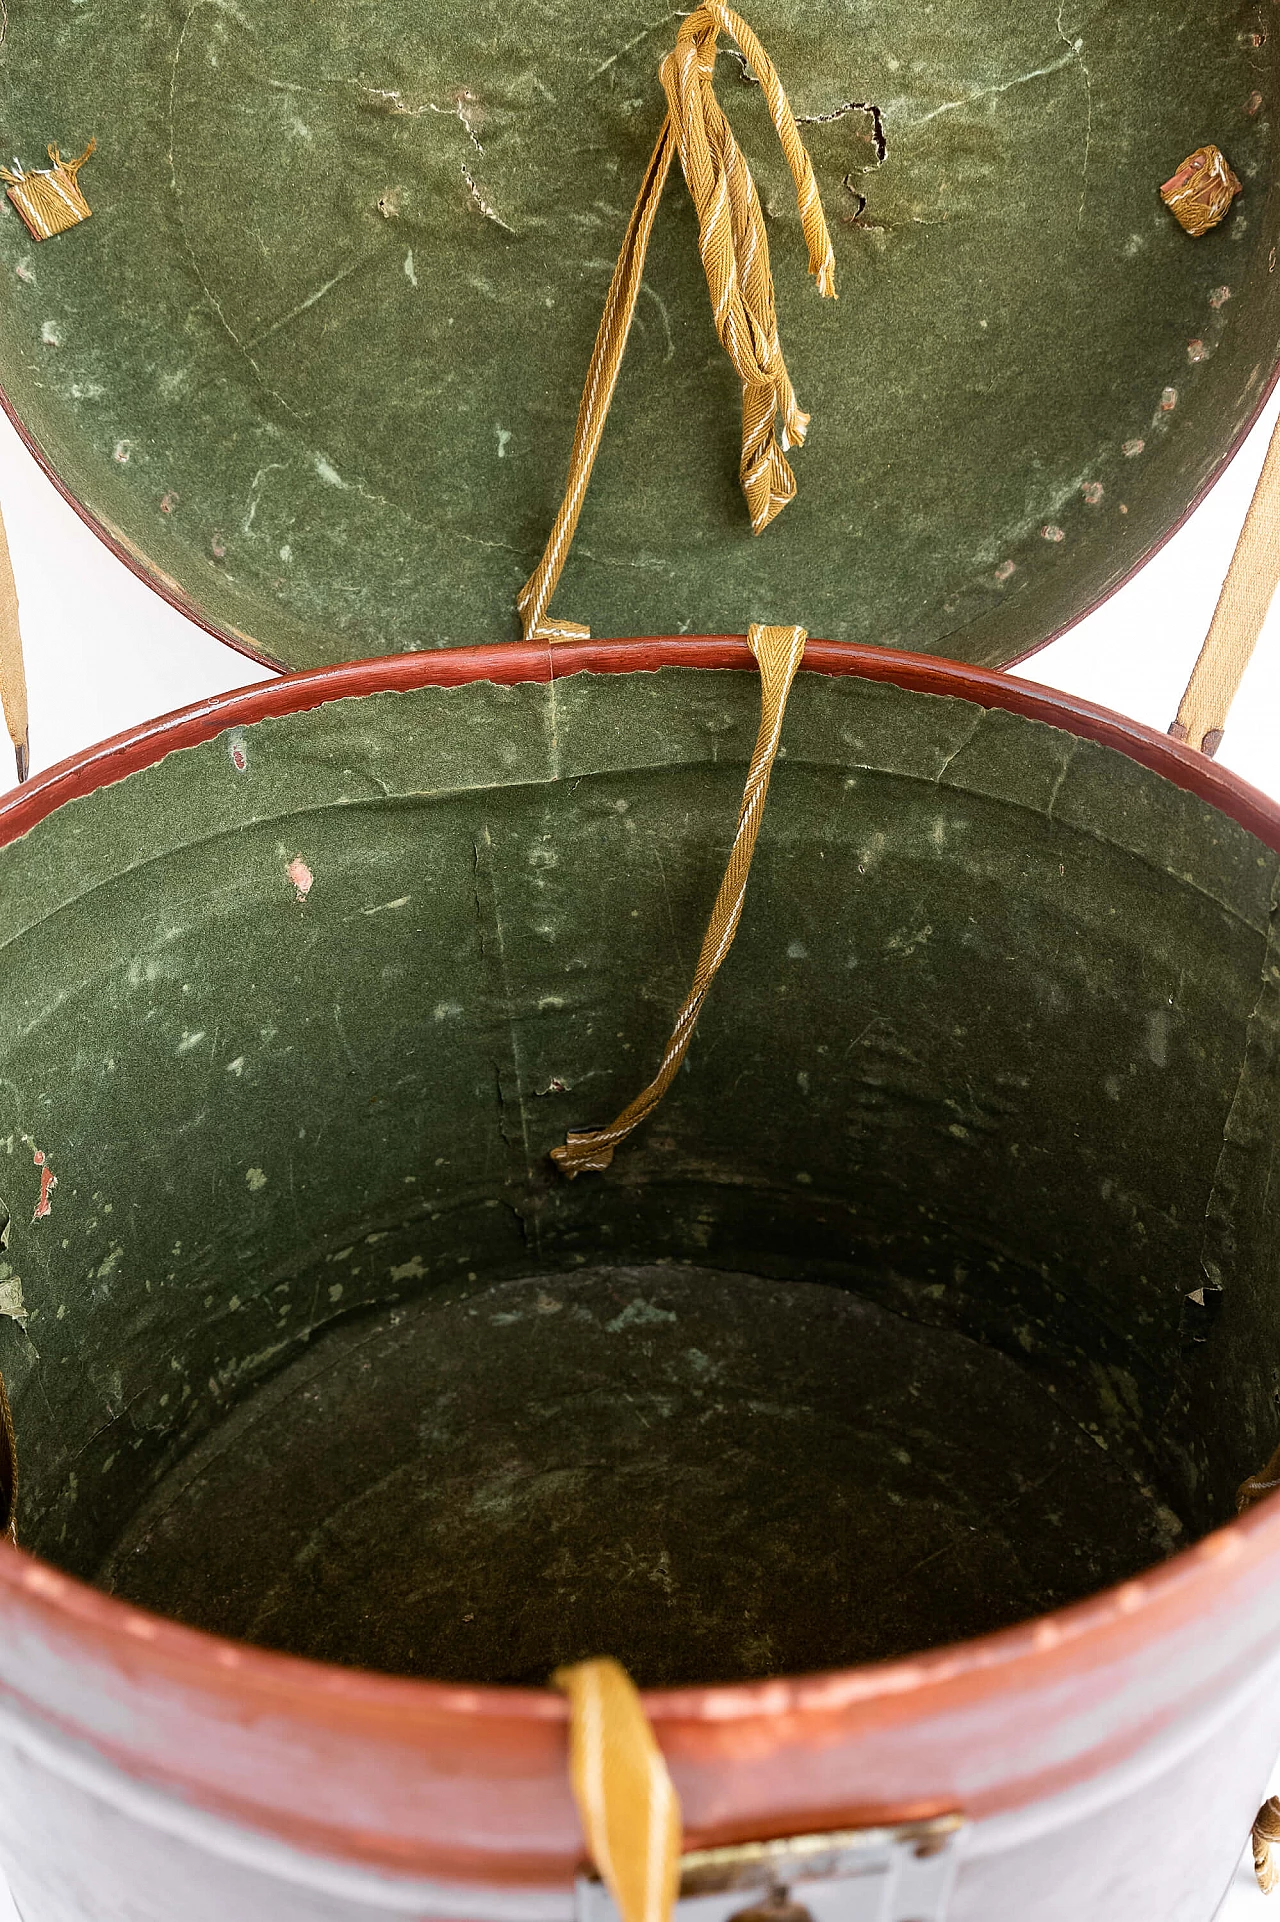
point(939, 1291)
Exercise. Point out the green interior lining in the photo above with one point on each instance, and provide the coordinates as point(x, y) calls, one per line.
point(992, 1058)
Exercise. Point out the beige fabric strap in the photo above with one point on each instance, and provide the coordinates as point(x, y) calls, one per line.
point(779, 651)
point(629, 1809)
point(1237, 621)
point(1266, 1834)
point(735, 255)
point(8, 1471)
point(13, 679)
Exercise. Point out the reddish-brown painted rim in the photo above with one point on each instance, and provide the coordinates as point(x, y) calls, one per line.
point(512, 662)
point(1175, 1593)
point(178, 599)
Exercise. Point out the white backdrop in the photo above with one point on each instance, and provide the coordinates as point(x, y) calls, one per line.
point(104, 652)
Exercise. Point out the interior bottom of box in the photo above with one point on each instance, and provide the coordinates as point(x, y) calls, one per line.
point(709, 1476)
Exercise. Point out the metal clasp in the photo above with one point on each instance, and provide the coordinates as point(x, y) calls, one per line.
point(902, 1874)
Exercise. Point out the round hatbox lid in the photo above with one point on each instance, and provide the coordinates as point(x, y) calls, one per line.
point(313, 364)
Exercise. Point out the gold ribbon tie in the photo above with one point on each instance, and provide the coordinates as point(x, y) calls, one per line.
point(629, 1809)
point(779, 651)
point(735, 256)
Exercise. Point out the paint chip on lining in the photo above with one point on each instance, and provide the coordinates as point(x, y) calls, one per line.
point(48, 1181)
point(301, 876)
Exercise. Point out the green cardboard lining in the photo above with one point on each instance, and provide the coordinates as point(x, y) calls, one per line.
point(969, 1164)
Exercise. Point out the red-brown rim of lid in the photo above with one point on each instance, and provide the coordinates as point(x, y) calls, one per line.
point(177, 598)
point(1175, 1590)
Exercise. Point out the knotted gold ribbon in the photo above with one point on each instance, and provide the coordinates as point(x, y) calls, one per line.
point(630, 1813)
point(735, 255)
point(779, 651)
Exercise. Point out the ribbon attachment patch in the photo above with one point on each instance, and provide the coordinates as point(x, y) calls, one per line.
point(1200, 194)
point(49, 200)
